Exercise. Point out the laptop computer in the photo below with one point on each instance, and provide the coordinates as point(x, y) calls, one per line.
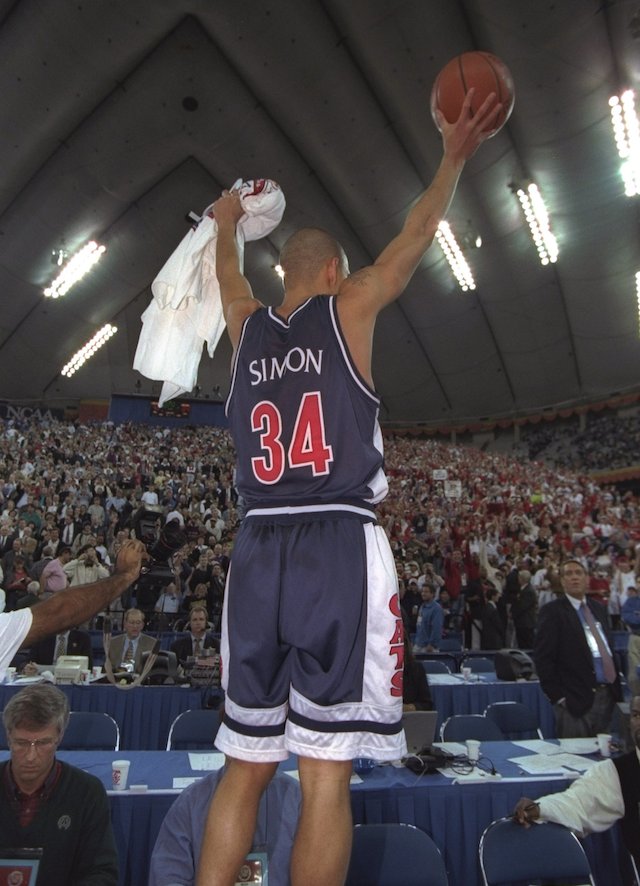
point(419, 729)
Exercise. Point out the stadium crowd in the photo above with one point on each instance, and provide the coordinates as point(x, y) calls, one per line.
point(470, 530)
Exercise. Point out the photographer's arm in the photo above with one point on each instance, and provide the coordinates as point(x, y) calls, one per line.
point(74, 605)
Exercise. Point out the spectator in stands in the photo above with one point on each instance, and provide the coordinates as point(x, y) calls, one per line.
point(49, 650)
point(429, 623)
point(128, 648)
point(524, 609)
point(86, 568)
point(493, 623)
point(199, 639)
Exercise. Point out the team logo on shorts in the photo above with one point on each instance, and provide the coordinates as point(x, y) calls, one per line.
point(396, 647)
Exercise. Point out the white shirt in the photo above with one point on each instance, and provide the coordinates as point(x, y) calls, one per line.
point(14, 627)
point(591, 804)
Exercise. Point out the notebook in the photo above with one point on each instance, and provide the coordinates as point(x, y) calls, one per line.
point(419, 729)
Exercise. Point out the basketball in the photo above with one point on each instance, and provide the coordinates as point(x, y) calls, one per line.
point(482, 70)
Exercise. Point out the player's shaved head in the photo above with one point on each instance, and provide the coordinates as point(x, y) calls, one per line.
point(306, 252)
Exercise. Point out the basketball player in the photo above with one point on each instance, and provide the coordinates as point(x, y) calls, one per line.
point(312, 642)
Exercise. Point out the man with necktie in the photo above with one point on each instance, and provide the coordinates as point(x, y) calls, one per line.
point(574, 658)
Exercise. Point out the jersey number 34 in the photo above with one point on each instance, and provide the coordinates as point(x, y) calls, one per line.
point(308, 446)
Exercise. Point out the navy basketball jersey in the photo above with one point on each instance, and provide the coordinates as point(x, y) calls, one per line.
point(304, 423)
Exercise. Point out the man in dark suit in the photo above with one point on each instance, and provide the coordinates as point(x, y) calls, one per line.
point(49, 650)
point(574, 659)
point(493, 626)
point(524, 607)
point(193, 646)
point(130, 646)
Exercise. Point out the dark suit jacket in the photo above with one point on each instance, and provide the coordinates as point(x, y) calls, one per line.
point(183, 647)
point(117, 649)
point(78, 643)
point(493, 629)
point(563, 660)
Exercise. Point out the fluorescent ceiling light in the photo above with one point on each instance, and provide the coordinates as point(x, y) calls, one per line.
point(75, 269)
point(626, 133)
point(453, 254)
point(87, 351)
point(535, 212)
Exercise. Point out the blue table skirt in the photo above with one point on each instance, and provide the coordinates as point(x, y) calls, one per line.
point(454, 814)
point(475, 696)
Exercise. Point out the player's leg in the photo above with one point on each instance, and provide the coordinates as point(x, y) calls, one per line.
point(231, 821)
point(322, 846)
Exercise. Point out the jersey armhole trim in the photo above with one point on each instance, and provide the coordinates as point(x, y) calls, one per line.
point(236, 356)
point(358, 379)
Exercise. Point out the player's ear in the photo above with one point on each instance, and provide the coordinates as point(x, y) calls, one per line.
point(333, 270)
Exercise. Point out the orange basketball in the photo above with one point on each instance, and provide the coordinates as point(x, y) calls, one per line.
point(482, 70)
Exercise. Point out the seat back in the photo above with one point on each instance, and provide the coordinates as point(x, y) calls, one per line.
point(90, 731)
point(515, 720)
point(510, 852)
point(194, 730)
point(460, 727)
point(434, 666)
point(479, 664)
point(394, 855)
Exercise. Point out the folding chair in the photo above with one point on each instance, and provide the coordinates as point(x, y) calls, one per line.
point(515, 719)
point(90, 731)
point(194, 730)
point(479, 664)
point(434, 666)
point(460, 727)
point(510, 852)
point(394, 855)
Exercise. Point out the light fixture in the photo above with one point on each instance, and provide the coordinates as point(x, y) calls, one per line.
point(535, 212)
point(453, 254)
point(75, 269)
point(87, 351)
point(638, 298)
point(626, 133)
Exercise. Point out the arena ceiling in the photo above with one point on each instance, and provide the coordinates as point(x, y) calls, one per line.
point(120, 116)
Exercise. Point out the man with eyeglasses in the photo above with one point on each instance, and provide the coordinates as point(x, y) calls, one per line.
point(51, 805)
point(608, 792)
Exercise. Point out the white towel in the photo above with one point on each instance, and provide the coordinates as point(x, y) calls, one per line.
point(186, 309)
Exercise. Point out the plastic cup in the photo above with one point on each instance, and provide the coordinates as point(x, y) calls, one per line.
point(473, 750)
point(96, 670)
point(466, 673)
point(120, 774)
point(604, 744)
point(11, 675)
point(361, 765)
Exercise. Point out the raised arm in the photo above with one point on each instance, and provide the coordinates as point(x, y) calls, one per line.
point(385, 280)
point(237, 298)
point(74, 605)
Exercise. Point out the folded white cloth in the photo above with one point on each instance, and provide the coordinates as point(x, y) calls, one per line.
point(186, 309)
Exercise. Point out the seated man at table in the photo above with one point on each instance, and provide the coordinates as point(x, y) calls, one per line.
point(608, 792)
point(194, 646)
point(49, 650)
point(51, 805)
point(128, 648)
point(177, 851)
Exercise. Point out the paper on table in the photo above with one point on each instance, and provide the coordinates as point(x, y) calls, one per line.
point(206, 762)
point(579, 745)
point(185, 782)
point(543, 764)
point(443, 680)
point(452, 747)
point(538, 746)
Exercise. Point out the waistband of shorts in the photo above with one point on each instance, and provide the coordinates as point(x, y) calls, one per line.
point(310, 510)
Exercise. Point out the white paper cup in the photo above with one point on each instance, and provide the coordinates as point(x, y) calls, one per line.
point(466, 673)
point(85, 676)
point(604, 744)
point(119, 774)
point(11, 675)
point(96, 670)
point(473, 750)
